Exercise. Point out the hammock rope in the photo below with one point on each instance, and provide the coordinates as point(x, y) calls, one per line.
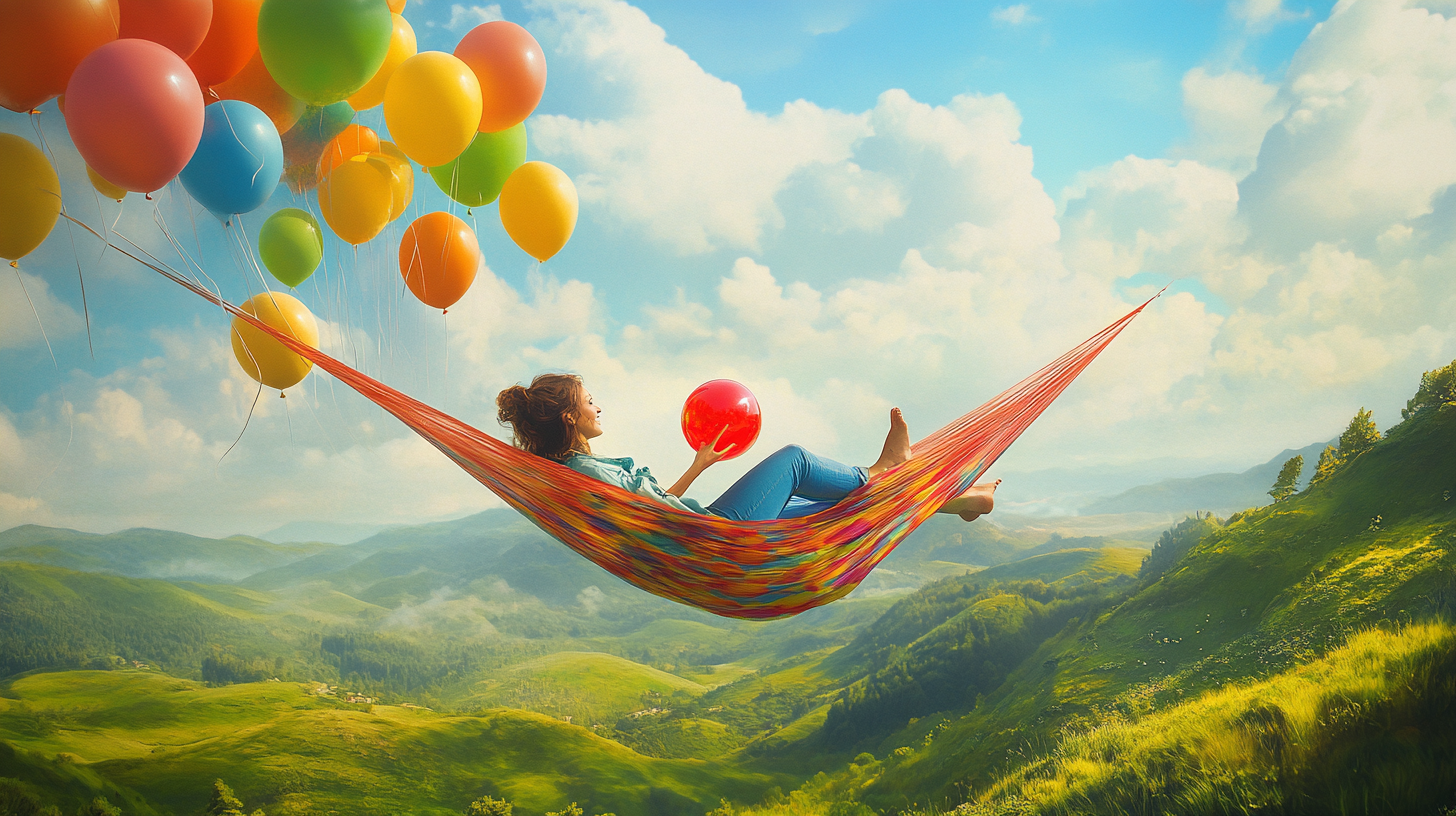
point(756, 569)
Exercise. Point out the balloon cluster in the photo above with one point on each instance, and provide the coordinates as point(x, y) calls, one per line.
point(232, 96)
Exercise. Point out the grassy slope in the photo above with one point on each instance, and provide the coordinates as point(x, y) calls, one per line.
point(589, 687)
point(291, 752)
point(1281, 585)
point(1365, 729)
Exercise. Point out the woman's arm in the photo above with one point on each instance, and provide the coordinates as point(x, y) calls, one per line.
point(705, 457)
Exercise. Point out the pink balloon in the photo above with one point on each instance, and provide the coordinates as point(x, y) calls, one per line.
point(134, 111)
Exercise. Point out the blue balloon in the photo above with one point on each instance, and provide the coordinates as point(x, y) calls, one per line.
point(238, 162)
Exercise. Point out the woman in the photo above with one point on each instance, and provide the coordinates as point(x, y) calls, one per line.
point(555, 418)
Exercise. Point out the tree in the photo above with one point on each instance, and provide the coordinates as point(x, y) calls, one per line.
point(18, 799)
point(1287, 483)
point(572, 809)
point(1329, 462)
point(223, 803)
point(99, 807)
point(1438, 388)
point(1360, 436)
point(489, 806)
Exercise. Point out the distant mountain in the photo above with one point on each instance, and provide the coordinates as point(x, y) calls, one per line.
point(1220, 492)
point(145, 553)
point(328, 532)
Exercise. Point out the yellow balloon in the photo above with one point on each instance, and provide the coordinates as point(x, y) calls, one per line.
point(538, 209)
point(402, 187)
point(428, 106)
point(356, 197)
point(103, 186)
point(30, 197)
point(402, 46)
point(264, 358)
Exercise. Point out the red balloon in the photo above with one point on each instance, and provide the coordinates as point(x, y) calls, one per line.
point(717, 405)
point(512, 71)
point(180, 25)
point(135, 113)
point(42, 42)
point(232, 40)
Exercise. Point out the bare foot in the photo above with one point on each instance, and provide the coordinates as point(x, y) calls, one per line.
point(897, 445)
point(974, 503)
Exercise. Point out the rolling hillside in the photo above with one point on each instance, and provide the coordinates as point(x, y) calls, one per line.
point(143, 553)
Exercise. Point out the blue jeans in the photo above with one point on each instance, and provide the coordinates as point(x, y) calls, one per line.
point(790, 483)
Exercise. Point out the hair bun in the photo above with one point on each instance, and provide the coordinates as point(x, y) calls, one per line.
point(511, 404)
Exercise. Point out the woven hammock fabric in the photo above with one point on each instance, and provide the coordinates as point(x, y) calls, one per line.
point(755, 569)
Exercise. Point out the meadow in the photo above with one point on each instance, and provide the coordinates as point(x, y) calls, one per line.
point(1291, 658)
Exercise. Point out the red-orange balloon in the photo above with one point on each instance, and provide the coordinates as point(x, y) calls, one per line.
point(354, 141)
point(42, 42)
point(512, 72)
point(255, 86)
point(134, 113)
point(438, 257)
point(231, 41)
point(180, 25)
point(396, 6)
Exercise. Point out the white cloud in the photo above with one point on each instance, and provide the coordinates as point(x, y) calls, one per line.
point(30, 313)
point(1263, 13)
point(1228, 115)
point(463, 18)
point(1368, 139)
point(1019, 14)
point(685, 159)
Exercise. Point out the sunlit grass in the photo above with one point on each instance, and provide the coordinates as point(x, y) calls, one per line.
point(1365, 729)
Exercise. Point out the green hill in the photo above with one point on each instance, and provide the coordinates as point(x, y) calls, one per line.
point(286, 749)
point(1260, 594)
point(144, 553)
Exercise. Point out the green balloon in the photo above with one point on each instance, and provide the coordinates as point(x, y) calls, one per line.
point(291, 245)
point(322, 51)
point(477, 176)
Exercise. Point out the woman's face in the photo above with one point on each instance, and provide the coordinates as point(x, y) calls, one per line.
point(588, 417)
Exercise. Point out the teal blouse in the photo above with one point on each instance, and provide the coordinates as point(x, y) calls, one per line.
point(623, 474)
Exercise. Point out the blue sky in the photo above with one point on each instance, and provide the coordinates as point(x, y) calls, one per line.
point(847, 206)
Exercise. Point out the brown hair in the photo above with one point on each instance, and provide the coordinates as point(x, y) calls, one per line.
point(537, 415)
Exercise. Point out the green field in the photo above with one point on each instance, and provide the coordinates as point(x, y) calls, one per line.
point(291, 751)
point(1296, 658)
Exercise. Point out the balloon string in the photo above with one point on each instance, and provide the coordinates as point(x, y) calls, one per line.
point(35, 123)
point(245, 421)
point(38, 323)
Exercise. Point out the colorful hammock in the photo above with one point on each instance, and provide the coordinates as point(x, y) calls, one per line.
point(755, 569)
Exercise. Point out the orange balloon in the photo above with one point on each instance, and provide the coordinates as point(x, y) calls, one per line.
point(402, 46)
point(180, 25)
point(255, 86)
point(231, 41)
point(396, 6)
point(42, 42)
point(438, 257)
point(356, 198)
point(402, 187)
point(356, 140)
point(511, 68)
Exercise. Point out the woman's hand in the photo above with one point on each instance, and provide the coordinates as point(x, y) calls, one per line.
point(708, 454)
